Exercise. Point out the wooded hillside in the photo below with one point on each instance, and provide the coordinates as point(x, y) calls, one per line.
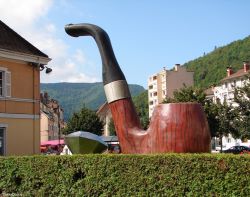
point(211, 68)
point(73, 96)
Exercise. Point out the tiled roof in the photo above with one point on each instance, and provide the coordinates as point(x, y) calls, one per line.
point(103, 108)
point(239, 73)
point(10, 40)
point(209, 91)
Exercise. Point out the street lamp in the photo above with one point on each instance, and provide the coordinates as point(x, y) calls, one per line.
point(48, 70)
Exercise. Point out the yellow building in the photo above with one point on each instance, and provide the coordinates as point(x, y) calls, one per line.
point(20, 64)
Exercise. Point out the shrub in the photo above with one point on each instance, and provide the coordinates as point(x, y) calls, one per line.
point(126, 175)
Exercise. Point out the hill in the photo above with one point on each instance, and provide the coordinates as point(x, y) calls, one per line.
point(211, 68)
point(73, 96)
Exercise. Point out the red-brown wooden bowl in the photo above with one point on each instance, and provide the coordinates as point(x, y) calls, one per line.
point(174, 127)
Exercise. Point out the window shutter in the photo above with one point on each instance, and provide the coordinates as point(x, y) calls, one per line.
point(7, 84)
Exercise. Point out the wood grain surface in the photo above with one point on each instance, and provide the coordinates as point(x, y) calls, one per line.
point(174, 127)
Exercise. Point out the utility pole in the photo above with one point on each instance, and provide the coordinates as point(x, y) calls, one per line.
point(59, 126)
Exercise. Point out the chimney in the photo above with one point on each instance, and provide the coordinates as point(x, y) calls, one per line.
point(176, 67)
point(229, 71)
point(246, 66)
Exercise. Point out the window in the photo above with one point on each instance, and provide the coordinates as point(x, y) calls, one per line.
point(154, 77)
point(242, 82)
point(2, 141)
point(225, 98)
point(234, 84)
point(155, 93)
point(150, 87)
point(217, 100)
point(5, 83)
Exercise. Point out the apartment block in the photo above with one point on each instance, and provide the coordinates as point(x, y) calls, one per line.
point(224, 92)
point(163, 84)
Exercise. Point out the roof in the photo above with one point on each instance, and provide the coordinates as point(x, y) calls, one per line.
point(10, 40)
point(109, 138)
point(103, 108)
point(239, 73)
point(209, 91)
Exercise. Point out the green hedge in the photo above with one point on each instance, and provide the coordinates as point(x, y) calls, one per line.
point(126, 175)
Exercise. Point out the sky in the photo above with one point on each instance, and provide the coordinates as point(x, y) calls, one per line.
point(146, 35)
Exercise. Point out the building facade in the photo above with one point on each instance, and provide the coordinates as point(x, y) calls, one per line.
point(20, 64)
point(163, 84)
point(52, 118)
point(224, 92)
point(105, 116)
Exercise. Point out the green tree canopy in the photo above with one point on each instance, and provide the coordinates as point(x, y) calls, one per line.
point(84, 120)
point(111, 127)
point(141, 105)
point(224, 120)
point(242, 99)
point(188, 94)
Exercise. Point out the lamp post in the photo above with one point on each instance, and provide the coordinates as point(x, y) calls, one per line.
point(59, 126)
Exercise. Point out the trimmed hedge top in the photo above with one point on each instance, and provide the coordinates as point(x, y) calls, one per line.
point(126, 175)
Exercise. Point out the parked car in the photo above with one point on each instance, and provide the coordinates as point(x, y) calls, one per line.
point(237, 150)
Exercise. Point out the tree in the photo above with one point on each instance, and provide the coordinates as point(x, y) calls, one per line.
point(84, 120)
point(141, 105)
point(211, 109)
point(111, 127)
point(242, 109)
point(223, 117)
point(188, 94)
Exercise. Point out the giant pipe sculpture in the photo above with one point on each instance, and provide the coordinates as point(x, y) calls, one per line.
point(176, 127)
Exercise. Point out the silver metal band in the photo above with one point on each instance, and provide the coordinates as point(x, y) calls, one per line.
point(116, 90)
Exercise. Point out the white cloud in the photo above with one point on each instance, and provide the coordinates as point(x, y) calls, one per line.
point(68, 72)
point(81, 77)
point(29, 19)
point(23, 13)
point(51, 28)
point(80, 57)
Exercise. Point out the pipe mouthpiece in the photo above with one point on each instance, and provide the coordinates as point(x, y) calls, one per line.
point(70, 30)
point(111, 70)
point(82, 29)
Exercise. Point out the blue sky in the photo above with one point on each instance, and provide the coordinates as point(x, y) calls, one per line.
point(146, 35)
